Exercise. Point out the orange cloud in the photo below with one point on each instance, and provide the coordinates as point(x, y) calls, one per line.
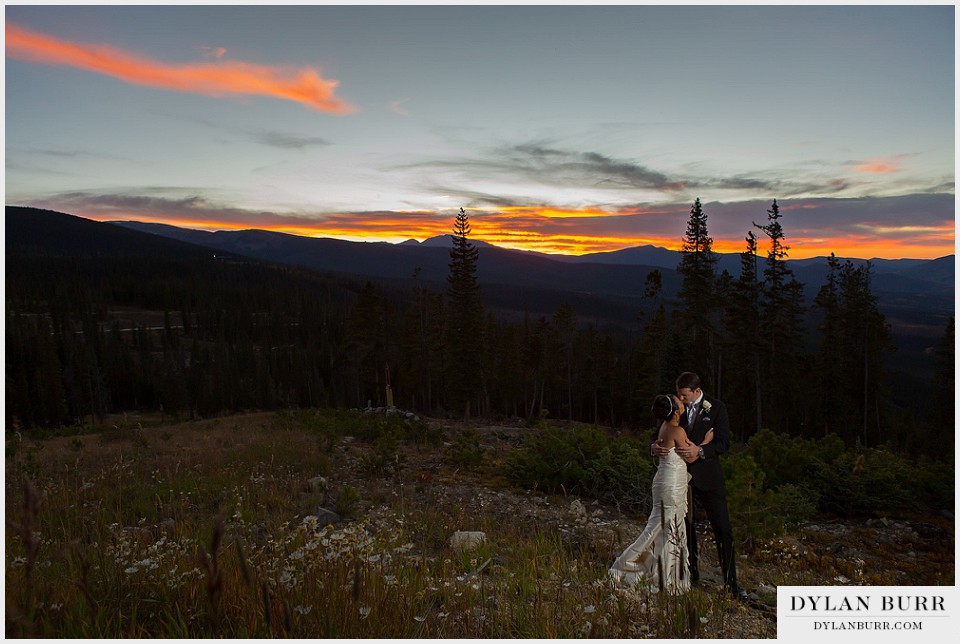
point(552, 213)
point(217, 79)
point(880, 165)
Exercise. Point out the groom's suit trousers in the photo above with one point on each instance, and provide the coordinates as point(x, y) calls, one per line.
point(708, 488)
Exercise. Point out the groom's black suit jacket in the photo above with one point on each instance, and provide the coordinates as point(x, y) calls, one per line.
point(706, 472)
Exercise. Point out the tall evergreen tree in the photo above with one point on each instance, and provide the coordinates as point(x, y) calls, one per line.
point(831, 359)
point(565, 325)
point(866, 340)
point(696, 297)
point(781, 332)
point(745, 330)
point(854, 338)
point(366, 348)
point(945, 392)
point(465, 315)
point(422, 347)
point(536, 365)
point(655, 360)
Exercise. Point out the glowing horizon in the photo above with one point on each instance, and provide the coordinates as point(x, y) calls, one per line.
point(229, 118)
point(854, 246)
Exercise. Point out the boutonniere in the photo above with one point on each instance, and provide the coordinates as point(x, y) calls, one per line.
point(706, 406)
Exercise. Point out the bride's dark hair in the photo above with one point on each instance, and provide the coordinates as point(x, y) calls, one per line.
point(663, 407)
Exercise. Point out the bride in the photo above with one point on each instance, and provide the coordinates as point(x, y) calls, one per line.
point(659, 555)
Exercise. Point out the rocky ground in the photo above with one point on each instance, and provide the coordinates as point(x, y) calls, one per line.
point(830, 551)
point(879, 551)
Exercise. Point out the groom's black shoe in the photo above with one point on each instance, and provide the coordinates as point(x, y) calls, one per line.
point(739, 594)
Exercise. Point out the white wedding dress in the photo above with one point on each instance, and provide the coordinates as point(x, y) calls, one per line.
point(664, 539)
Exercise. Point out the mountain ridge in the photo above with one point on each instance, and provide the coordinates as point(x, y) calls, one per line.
point(646, 255)
point(910, 292)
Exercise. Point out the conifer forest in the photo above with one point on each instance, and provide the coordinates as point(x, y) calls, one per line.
point(194, 336)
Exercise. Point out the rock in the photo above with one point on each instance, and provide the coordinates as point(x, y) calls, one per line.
point(466, 540)
point(326, 517)
point(577, 509)
point(317, 484)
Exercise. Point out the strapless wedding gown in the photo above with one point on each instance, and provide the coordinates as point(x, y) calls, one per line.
point(663, 542)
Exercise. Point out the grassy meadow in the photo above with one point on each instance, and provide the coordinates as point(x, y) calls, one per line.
point(216, 528)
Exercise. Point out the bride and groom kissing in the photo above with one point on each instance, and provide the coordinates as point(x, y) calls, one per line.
point(694, 431)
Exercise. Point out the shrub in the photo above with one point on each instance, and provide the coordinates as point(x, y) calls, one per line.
point(757, 511)
point(853, 482)
point(348, 499)
point(465, 451)
point(583, 460)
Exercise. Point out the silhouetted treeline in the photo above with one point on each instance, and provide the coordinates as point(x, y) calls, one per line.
point(199, 336)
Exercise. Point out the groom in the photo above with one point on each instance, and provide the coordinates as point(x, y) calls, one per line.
point(703, 414)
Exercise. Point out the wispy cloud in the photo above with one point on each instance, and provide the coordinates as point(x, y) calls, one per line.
point(398, 108)
point(552, 166)
point(289, 141)
point(554, 170)
point(272, 138)
point(220, 78)
point(212, 52)
point(881, 165)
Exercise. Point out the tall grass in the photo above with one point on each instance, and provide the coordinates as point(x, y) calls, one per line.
point(210, 530)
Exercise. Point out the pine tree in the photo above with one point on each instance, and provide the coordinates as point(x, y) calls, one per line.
point(945, 392)
point(654, 367)
point(565, 326)
point(422, 346)
point(465, 315)
point(831, 359)
point(535, 365)
point(365, 343)
point(866, 339)
point(781, 331)
point(696, 296)
point(747, 298)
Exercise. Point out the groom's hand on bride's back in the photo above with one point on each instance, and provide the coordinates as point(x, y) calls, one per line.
point(657, 449)
point(688, 452)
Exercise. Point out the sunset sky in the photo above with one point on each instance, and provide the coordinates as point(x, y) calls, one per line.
point(557, 128)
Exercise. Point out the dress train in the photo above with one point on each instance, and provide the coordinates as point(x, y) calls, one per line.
point(661, 549)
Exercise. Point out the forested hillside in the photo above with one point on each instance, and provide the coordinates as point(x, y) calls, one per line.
point(103, 319)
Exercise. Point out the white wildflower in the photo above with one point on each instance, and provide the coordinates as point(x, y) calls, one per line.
point(419, 618)
point(841, 579)
point(131, 570)
point(364, 612)
point(589, 609)
point(303, 610)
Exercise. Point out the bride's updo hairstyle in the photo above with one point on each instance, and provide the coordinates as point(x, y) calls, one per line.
point(663, 407)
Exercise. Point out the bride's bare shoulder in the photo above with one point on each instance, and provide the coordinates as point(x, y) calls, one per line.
point(679, 435)
point(673, 435)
